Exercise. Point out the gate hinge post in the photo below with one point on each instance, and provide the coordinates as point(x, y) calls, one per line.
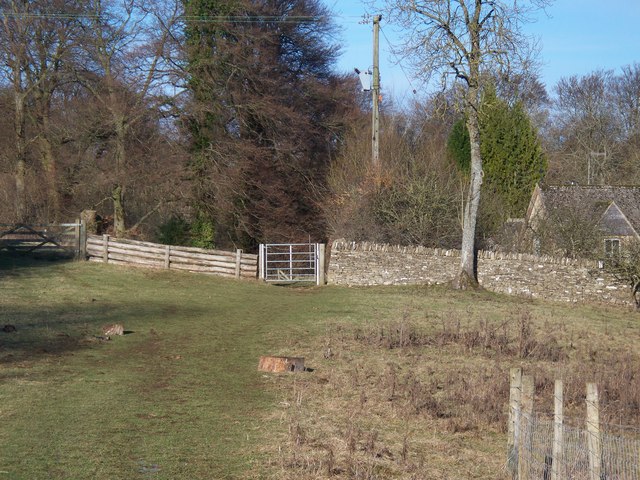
point(320, 266)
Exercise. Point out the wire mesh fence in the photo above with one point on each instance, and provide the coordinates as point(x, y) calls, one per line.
point(551, 447)
point(619, 459)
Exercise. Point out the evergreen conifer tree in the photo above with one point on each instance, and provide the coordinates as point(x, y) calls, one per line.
point(513, 160)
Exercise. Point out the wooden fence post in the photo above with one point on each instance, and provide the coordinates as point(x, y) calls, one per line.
point(320, 265)
point(83, 239)
point(515, 390)
point(167, 257)
point(78, 238)
point(558, 432)
point(525, 429)
point(594, 443)
point(238, 260)
point(105, 248)
point(261, 268)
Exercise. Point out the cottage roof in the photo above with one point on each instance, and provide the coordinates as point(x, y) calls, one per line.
point(616, 207)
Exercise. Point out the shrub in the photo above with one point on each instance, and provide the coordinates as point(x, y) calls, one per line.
point(178, 231)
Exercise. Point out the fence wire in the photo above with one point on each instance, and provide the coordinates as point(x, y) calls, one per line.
point(619, 459)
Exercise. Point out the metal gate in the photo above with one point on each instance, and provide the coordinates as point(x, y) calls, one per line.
point(292, 262)
point(58, 239)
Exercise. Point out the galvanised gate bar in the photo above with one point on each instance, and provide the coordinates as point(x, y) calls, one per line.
point(292, 262)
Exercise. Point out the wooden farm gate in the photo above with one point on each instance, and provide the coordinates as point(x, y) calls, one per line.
point(64, 239)
point(292, 262)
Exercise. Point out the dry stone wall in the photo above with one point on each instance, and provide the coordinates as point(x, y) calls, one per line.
point(559, 279)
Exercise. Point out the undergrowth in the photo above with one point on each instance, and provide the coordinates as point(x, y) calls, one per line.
point(392, 392)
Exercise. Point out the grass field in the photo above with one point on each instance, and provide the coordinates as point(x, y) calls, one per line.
point(406, 382)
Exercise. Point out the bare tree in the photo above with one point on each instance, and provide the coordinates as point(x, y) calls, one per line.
point(14, 45)
point(625, 267)
point(36, 46)
point(594, 134)
point(461, 40)
point(50, 55)
point(418, 198)
point(588, 127)
point(571, 232)
point(628, 91)
point(627, 96)
point(122, 66)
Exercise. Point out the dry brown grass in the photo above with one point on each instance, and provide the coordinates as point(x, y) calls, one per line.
point(423, 394)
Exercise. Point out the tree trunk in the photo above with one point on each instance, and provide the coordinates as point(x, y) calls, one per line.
point(21, 162)
point(119, 224)
point(48, 161)
point(468, 275)
point(20, 177)
point(120, 128)
point(117, 195)
point(49, 165)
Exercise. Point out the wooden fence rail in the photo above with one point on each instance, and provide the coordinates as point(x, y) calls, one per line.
point(153, 255)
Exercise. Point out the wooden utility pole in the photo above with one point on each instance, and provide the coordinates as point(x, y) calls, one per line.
point(375, 92)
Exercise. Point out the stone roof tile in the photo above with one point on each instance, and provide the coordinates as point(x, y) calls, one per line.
point(594, 200)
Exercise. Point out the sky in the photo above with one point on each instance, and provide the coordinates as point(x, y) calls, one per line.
point(576, 37)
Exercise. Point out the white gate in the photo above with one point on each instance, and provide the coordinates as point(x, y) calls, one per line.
point(292, 262)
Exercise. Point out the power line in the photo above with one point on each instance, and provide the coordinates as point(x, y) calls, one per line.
point(398, 62)
point(253, 19)
point(199, 18)
point(187, 18)
point(25, 15)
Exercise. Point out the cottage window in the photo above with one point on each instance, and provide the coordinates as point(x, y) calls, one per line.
point(612, 247)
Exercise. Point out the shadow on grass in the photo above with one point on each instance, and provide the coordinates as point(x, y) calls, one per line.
point(63, 330)
point(16, 264)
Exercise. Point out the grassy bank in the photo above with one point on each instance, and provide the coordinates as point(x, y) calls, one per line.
point(406, 382)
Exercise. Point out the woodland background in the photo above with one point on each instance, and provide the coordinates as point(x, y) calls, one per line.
point(225, 123)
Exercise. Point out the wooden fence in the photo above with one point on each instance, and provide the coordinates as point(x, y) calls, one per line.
point(131, 252)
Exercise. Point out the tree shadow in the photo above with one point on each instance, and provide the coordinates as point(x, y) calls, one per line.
point(16, 264)
point(69, 328)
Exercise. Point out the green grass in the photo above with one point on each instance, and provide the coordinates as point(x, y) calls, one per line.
point(179, 396)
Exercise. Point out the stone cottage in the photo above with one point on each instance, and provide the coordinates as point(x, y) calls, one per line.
point(576, 219)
